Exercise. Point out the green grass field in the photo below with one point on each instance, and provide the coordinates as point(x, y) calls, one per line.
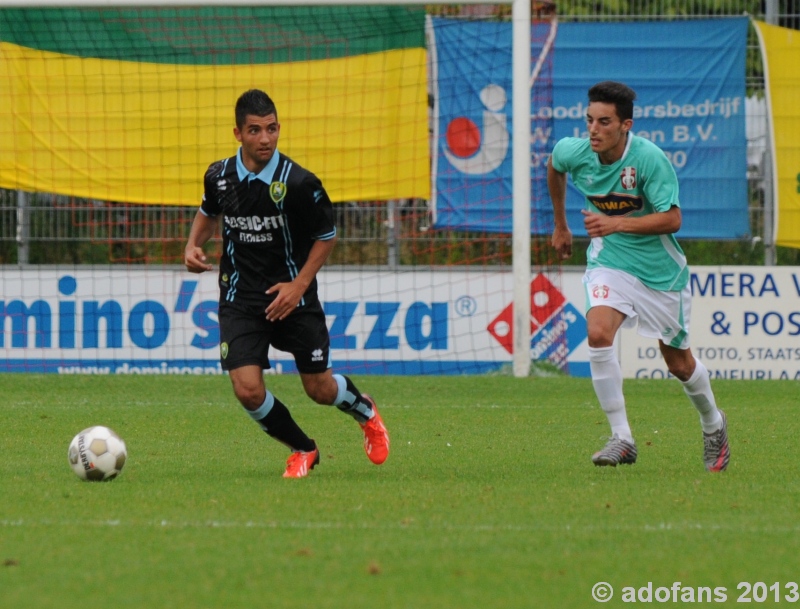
point(488, 498)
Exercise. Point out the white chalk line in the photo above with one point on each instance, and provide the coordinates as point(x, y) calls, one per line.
point(410, 526)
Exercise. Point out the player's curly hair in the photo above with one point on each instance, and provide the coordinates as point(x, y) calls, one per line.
point(254, 102)
point(617, 93)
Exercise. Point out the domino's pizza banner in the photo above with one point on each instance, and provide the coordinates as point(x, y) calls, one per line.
point(745, 323)
point(165, 322)
point(690, 82)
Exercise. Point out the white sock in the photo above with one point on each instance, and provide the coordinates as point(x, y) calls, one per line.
point(607, 381)
point(698, 388)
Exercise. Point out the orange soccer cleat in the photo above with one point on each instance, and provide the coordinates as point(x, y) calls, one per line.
point(299, 463)
point(376, 438)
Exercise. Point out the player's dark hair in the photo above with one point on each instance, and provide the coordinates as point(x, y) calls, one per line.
point(254, 102)
point(610, 92)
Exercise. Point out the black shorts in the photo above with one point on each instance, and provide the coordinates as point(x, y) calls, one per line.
point(246, 335)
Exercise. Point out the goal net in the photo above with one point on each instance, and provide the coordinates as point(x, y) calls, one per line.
point(110, 116)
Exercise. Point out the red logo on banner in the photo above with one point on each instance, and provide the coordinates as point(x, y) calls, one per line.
point(546, 300)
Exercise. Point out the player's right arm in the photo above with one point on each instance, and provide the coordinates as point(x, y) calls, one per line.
point(557, 186)
point(204, 224)
point(203, 228)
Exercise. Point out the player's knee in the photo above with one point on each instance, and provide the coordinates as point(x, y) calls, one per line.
point(599, 337)
point(682, 368)
point(249, 396)
point(680, 363)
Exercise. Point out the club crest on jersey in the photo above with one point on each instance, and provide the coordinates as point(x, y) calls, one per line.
point(628, 178)
point(277, 191)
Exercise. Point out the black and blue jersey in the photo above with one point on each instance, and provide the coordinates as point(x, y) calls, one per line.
point(270, 221)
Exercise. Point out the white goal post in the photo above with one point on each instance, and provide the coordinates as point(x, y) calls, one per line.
point(521, 129)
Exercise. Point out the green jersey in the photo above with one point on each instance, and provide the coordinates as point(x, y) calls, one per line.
point(641, 182)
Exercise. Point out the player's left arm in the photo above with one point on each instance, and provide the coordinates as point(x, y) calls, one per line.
point(658, 223)
point(290, 293)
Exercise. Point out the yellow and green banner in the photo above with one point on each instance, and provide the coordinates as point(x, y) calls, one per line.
point(133, 105)
point(781, 51)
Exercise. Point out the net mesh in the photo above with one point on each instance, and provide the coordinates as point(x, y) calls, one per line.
point(112, 115)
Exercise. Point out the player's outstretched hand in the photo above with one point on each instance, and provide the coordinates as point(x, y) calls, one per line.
point(195, 260)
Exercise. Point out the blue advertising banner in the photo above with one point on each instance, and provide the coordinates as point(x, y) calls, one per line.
point(689, 79)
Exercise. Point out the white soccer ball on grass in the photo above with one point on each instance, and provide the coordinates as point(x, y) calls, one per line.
point(97, 453)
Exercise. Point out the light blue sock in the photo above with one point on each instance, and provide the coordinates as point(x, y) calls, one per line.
point(262, 411)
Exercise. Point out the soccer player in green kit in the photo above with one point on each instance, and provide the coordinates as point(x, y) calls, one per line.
point(636, 272)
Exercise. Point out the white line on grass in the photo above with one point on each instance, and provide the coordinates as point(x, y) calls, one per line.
point(308, 525)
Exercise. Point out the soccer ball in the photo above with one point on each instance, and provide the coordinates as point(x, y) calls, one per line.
point(97, 454)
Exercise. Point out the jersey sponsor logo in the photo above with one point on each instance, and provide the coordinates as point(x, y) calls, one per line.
point(222, 184)
point(628, 178)
point(616, 204)
point(251, 238)
point(277, 191)
point(254, 223)
point(557, 328)
point(316, 355)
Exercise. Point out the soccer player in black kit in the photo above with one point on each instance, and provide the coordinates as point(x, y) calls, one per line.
point(278, 231)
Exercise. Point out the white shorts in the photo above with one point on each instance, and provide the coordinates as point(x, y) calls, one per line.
point(661, 315)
